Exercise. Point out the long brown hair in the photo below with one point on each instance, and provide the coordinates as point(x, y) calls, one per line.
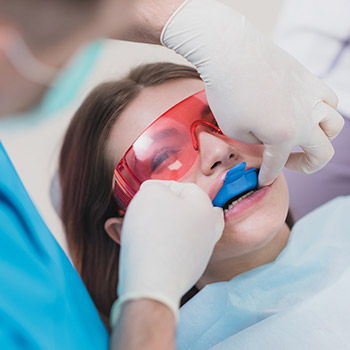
point(86, 177)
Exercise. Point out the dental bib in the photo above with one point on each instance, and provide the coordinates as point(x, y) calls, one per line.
point(237, 181)
point(299, 301)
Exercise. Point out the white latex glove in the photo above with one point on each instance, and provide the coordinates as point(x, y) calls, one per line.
point(168, 235)
point(257, 92)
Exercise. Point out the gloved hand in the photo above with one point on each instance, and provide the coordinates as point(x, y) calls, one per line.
point(168, 235)
point(257, 92)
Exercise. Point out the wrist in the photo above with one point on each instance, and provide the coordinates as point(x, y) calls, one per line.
point(145, 19)
point(118, 305)
point(187, 31)
point(145, 307)
point(143, 324)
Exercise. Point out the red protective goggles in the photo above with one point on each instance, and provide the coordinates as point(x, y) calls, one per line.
point(166, 150)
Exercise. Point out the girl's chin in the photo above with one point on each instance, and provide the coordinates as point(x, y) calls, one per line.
point(246, 238)
point(255, 224)
point(256, 229)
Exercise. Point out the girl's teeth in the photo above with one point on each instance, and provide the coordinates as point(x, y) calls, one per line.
point(238, 200)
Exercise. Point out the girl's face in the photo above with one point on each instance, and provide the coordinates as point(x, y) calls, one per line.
point(256, 221)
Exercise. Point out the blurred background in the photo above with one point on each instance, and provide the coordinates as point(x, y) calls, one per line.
point(34, 147)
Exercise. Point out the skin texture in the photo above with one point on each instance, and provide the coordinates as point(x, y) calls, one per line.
point(144, 324)
point(253, 238)
point(142, 20)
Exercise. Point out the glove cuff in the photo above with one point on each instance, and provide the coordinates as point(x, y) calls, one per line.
point(170, 20)
point(194, 19)
point(116, 307)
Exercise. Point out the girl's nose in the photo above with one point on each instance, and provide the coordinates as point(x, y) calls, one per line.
point(216, 153)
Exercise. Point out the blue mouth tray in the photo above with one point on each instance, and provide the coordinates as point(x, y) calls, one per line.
point(237, 181)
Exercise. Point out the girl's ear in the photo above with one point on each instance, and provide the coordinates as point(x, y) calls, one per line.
point(113, 227)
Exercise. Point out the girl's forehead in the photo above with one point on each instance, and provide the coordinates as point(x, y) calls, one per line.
point(145, 109)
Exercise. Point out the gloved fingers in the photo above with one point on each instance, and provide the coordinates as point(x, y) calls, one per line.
point(330, 121)
point(317, 153)
point(274, 159)
point(188, 191)
point(163, 190)
point(151, 183)
point(329, 96)
point(220, 223)
point(166, 185)
point(193, 195)
point(249, 138)
point(182, 190)
point(238, 135)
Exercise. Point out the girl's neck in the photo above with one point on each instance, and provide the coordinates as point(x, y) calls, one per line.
point(227, 269)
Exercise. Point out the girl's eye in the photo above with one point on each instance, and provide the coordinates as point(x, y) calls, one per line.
point(162, 157)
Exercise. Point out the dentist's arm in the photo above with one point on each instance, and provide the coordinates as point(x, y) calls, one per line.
point(258, 92)
point(168, 235)
point(139, 20)
point(144, 324)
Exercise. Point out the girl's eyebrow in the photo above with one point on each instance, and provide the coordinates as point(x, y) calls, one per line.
point(165, 133)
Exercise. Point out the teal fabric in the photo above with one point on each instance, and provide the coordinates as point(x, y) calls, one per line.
point(64, 90)
point(43, 302)
point(299, 301)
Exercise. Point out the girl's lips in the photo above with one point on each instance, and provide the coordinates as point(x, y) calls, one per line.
point(217, 184)
point(248, 203)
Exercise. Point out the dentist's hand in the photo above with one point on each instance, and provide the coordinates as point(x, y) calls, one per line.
point(168, 235)
point(257, 92)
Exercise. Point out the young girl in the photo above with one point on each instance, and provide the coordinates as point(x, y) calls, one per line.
point(102, 130)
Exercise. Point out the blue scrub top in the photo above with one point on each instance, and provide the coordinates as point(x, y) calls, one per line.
point(43, 302)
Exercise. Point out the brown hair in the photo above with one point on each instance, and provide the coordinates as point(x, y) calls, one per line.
point(86, 177)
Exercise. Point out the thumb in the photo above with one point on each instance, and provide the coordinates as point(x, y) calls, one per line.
point(274, 159)
point(188, 191)
point(220, 223)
